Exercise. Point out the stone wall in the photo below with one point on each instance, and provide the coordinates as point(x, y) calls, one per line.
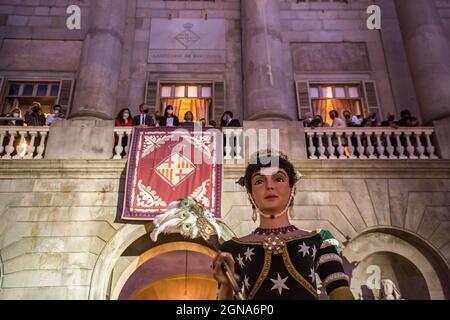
point(331, 24)
point(137, 69)
point(58, 238)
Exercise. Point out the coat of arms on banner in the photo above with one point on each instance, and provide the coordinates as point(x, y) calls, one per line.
point(167, 164)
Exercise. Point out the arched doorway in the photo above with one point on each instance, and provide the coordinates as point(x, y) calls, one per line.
point(170, 270)
point(389, 266)
point(400, 255)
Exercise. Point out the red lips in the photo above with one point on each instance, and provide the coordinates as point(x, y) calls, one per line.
point(270, 197)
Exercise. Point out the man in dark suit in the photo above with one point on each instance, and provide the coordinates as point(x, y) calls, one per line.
point(228, 120)
point(143, 119)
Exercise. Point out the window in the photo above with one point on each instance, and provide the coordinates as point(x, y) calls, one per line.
point(196, 98)
point(339, 97)
point(22, 94)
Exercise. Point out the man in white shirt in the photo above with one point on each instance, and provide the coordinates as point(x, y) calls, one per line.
point(55, 116)
point(337, 122)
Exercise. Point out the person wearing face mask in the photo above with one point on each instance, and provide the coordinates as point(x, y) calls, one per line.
point(123, 118)
point(143, 119)
point(35, 116)
point(17, 120)
point(55, 116)
point(228, 121)
point(169, 119)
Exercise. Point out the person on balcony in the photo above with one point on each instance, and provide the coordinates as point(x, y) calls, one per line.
point(188, 119)
point(318, 122)
point(56, 115)
point(123, 118)
point(308, 121)
point(35, 117)
point(407, 120)
point(143, 119)
point(15, 118)
point(390, 121)
point(228, 121)
point(169, 119)
point(278, 260)
point(370, 121)
point(337, 122)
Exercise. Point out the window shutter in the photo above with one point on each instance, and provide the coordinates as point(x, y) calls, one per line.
point(151, 95)
point(371, 97)
point(219, 101)
point(66, 87)
point(303, 98)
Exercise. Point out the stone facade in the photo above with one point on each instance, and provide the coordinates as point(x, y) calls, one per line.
point(36, 45)
point(59, 238)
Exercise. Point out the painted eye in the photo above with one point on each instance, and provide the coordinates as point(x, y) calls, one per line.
point(187, 226)
point(183, 215)
point(259, 181)
point(185, 202)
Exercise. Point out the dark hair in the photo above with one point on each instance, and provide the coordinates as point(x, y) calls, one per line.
point(165, 110)
point(405, 113)
point(187, 114)
point(335, 113)
point(212, 123)
point(57, 106)
point(318, 116)
point(120, 115)
point(228, 113)
point(265, 159)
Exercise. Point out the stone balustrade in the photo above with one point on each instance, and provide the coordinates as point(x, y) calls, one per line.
point(370, 143)
point(122, 142)
point(23, 142)
point(326, 143)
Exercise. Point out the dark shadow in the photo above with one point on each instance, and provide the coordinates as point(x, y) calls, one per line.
point(366, 293)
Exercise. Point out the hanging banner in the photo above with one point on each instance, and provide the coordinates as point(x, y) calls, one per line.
point(167, 164)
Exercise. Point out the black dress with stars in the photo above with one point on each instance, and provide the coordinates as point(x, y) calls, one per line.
point(286, 268)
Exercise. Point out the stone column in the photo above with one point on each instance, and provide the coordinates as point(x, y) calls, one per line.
point(428, 52)
point(98, 79)
point(264, 69)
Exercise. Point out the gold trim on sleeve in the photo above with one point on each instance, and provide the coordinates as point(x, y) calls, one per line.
point(341, 293)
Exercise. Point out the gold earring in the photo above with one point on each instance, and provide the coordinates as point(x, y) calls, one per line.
point(254, 215)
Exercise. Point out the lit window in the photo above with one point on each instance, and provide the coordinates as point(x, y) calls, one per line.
point(192, 91)
point(340, 92)
point(353, 92)
point(180, 91)
point(314, 92)
point(166, 92)
point(206, 92)
point(327, 92)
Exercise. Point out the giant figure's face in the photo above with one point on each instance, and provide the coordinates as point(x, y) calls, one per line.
point(271, 190)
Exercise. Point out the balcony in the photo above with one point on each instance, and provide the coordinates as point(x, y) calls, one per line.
point(366, 143)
